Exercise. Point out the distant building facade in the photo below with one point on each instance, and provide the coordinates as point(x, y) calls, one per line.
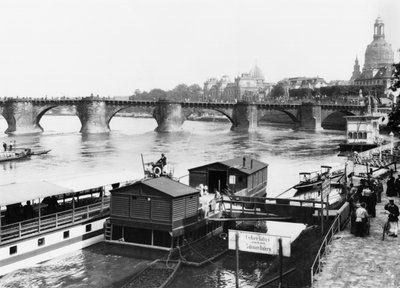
point(249, 86)
point(306, 82)
point(379, 59)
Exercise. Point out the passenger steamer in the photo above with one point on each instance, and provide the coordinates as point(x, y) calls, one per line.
point(42, 220)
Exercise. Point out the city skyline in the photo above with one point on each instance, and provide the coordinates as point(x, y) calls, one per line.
point(111, 48)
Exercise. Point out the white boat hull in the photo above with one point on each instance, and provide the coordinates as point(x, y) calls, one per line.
point(29, 252)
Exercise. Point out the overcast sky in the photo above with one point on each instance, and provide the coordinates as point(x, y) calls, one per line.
point(112, 47)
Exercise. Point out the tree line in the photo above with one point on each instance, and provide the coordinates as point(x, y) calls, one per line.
point(181, 93)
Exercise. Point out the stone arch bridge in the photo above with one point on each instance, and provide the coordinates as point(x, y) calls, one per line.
point(23, 115)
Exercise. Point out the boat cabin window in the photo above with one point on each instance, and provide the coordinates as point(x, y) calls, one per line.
point(40, 242)
point(66, 234)
point(88, 227)
point(13, 250)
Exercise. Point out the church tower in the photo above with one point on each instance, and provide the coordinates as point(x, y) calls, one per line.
point(356, 71)
point(379, 58)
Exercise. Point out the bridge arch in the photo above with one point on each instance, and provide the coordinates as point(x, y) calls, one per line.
point(335, 119)
point(264, 114)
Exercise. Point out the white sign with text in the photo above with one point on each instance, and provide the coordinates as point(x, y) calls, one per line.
point(259, 242)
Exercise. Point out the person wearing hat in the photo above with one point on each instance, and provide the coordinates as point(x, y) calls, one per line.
point(393, 210)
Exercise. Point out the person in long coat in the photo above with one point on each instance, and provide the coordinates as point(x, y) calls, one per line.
point(393, 210)
point(390, 192)
point(397, 186)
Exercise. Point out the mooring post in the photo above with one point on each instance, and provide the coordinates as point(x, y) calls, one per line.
point(281, 262)
point(237, 259)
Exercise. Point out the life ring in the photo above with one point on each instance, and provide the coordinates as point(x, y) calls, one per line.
point(157, 171)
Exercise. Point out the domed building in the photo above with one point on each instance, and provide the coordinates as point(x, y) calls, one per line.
point(379, 58)
point(248, 86)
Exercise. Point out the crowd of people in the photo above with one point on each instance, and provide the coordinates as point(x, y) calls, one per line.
point(363, 200)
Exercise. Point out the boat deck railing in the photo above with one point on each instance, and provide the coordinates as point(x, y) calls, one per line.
point(47, 223)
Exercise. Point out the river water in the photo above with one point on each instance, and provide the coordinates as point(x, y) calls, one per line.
point(287, 151)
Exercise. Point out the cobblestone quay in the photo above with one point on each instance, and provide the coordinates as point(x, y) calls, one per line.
point(363, 262)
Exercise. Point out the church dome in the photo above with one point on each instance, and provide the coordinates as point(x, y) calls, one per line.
point(256, 73)
point(379, 53)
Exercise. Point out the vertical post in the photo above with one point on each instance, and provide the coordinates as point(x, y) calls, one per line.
point(73, 208)
point(281, 263)
point(40, 215)
point(237, 259)
point(322, 213)
point(103, 191)
point(144, 170)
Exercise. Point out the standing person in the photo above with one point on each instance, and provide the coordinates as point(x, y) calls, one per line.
point(378, 190)
point(5, 146)
point(390, 186)
point(10, 146)
point(393, 210)
point(397, 186)
point(361, 220)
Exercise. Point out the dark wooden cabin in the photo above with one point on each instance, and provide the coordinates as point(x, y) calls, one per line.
point(243, 176)
point(156, 212)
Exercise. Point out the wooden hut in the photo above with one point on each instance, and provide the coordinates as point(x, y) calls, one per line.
point(244, 176)
point(156, 212)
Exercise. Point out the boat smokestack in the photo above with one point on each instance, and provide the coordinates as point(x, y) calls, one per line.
point(244, 162)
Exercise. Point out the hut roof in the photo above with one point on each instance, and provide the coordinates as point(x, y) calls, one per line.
point(170, 187)
point(251, 165)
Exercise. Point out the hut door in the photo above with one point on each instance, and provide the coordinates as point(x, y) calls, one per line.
point(215, 177)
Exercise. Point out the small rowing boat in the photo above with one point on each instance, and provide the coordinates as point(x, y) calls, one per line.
point(40, 152)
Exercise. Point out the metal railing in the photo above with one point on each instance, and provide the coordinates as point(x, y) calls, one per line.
point(23, 229)
point(335, 228)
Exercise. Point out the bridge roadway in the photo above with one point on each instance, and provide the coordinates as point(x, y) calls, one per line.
point(23, 115)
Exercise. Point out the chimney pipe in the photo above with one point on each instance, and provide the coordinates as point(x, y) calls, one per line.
point(244, 162)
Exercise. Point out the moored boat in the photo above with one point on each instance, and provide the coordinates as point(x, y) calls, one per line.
point(16, 154)
point(44, 219)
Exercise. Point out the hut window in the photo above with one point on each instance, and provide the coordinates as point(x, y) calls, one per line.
point(364, 135)
point(134, 197)
point(359, 135)
point(350, 135)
